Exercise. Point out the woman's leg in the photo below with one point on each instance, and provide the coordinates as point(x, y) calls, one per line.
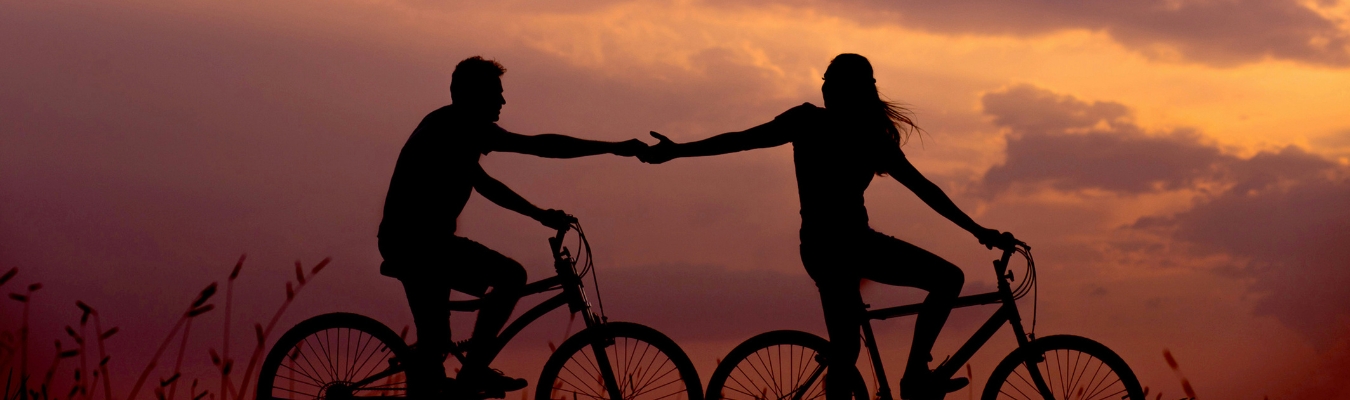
point(843, 307)
point(895, 262)
point(828, 264)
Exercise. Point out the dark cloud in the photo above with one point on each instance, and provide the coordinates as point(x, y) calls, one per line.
point(1282, 215)
point(1221, 33)
point(1072, 144)
point(1026, 108)
point(1289, 236)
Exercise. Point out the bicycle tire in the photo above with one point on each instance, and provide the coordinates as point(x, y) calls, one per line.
point(331, 352)
point(572, 371)
point(1068, 373)
point(757, 368)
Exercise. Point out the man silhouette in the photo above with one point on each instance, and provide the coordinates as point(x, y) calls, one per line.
point(435, 173)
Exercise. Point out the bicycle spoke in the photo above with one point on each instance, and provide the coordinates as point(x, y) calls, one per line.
point(740, 384)
point(1033, 387)
point(1092, 386)
point(636, 393)
point(1093, 395)
point(771, 381)
point(311, 362)
point(579, 378)
point(1076, 375)
point(801, 371)
point(653, 379)
point(295, 392)
point(1010, 395)
point(1024, 380)
point(1069, 369)
point(317, 382)
point(364, 346)
point(318, 372)
point(754, 369)
point(327, 356)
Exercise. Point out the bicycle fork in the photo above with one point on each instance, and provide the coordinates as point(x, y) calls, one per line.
point(606, 371)
point(1023, 340)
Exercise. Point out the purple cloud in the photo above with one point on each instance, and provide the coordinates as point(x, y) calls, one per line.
point(1072, 144)
point(1219, 33)
point(1281, 214)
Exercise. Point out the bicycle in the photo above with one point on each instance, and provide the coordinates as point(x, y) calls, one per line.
point(785, 365)
point(344, 356)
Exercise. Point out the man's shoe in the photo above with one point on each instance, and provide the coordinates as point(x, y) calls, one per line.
point(927, 388)
point(490, 381)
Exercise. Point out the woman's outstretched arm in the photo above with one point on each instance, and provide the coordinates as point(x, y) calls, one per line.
point(762, 136)
point(900, 168)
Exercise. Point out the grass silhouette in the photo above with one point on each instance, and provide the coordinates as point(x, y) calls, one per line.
point(96, 383)
point(89, 384)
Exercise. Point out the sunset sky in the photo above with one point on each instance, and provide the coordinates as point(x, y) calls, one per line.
point(1180, 167)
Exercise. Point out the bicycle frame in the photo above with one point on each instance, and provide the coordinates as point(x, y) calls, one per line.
point(567, 280)
point(1006, 314)
point(572, 296)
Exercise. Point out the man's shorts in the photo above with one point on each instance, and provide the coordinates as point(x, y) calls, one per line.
point(462, 264)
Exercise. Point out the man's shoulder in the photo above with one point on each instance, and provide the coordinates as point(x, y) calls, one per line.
point(443, 114)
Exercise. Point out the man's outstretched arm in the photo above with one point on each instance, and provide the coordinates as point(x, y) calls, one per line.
point(498, 193)
point(553, 145)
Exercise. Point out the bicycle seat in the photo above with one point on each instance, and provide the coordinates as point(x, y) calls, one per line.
point(466, 305)
point(392, 270)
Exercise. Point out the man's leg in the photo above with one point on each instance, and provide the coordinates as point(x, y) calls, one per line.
point(506, 280)
point(485, 269)
point(431, 315)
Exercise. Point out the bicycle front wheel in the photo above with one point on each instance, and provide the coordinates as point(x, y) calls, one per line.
point(1063, 367)
point(780, 365)
point(335, 356)
point(619, 359)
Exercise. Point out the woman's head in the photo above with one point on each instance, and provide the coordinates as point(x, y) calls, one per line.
point(851, 89)
point(849, 83)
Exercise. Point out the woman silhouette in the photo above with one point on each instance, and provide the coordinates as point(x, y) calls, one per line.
point(837, 150)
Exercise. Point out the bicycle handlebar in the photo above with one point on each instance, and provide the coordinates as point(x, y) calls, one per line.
point(556, 240)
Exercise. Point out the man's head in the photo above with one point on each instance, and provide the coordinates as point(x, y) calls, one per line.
point(476, 87)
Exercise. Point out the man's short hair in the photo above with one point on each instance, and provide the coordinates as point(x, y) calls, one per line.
point(472, 73)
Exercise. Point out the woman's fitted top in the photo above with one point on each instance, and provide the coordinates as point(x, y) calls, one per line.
point(835, 163)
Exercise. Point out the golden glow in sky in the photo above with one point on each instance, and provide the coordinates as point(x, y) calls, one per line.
point(1181, 167)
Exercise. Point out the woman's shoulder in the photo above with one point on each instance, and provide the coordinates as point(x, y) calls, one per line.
point(805, 111)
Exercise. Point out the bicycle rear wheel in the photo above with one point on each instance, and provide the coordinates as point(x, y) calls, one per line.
point(780, 365)
point(335, 356)
point(643, 363)
point(1071, 367)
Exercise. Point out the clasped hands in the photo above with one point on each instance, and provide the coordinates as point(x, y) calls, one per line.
point(662, 151)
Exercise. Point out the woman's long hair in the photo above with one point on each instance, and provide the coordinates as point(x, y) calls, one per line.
point(851, 75)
